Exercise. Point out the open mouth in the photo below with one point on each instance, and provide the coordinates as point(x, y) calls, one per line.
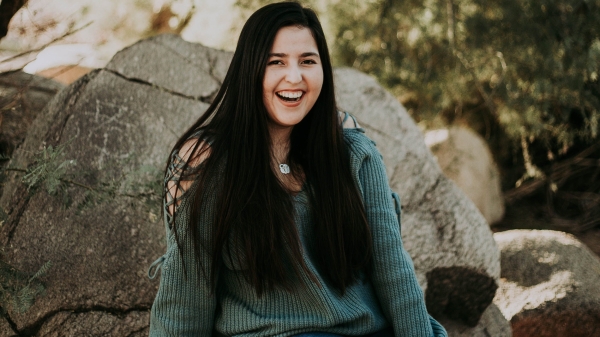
point(290, 96)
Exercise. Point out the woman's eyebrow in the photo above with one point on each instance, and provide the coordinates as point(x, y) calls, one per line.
point(307, 54)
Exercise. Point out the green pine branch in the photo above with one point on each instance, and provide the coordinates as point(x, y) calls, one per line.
point(50, 170)
point(19, 290)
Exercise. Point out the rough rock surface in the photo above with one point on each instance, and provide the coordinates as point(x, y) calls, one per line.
point(465, 158)
point(491, 324)
point(118, 122)
point(441, 228)
point(550, 284)
point(22, 97)
point(5, 329)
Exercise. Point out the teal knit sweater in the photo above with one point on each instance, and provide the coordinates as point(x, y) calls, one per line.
point(392, 296)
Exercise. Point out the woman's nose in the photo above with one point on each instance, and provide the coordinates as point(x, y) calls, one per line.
point(293, 74)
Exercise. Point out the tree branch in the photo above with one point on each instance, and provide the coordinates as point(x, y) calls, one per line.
point(559, 172)
point(47, 44)
point(15, 170)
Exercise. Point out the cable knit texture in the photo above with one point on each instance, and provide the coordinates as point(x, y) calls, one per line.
point(184, 307)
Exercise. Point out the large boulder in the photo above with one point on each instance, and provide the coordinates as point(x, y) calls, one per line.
point(450, 242)
point(465, 158)
point(550, 284)
point(117, 125)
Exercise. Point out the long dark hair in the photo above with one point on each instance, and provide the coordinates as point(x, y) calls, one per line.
point(252, 210)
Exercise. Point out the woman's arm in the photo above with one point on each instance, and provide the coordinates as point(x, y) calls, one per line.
point(183, 305)
point(393, 276)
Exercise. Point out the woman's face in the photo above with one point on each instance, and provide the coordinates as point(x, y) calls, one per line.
point(293, 77)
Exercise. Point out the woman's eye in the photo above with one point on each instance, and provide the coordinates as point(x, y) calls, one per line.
point(309, 61)
point(275, 62)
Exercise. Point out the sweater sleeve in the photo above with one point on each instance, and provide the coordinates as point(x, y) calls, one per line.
point(184, 305)
point(393, 276)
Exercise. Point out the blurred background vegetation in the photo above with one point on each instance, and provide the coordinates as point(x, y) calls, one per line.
point(521, 73)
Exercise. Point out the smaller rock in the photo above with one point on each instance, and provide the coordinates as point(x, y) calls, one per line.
point(194, 70)
point(465, 158)
point(549, 284)
point(491, 324)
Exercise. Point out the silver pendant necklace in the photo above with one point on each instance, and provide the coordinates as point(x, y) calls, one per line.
point(284, 168)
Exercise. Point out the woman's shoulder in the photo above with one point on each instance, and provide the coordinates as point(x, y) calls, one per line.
point(347, 120)
point(359, 144)
point(194, 150)
point(184, 161)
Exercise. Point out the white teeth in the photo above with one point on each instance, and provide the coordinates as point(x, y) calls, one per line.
point(290, 94)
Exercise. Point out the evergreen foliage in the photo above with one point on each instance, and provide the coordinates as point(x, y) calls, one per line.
point(531, 67)
point(19, 290)
point(49, 169)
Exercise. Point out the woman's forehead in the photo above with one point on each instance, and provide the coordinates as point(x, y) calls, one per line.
point(294, 40)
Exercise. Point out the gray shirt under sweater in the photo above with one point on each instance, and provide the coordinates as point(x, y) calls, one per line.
point(392, 296)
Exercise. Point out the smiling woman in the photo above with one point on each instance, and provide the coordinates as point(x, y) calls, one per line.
point(280, 221)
